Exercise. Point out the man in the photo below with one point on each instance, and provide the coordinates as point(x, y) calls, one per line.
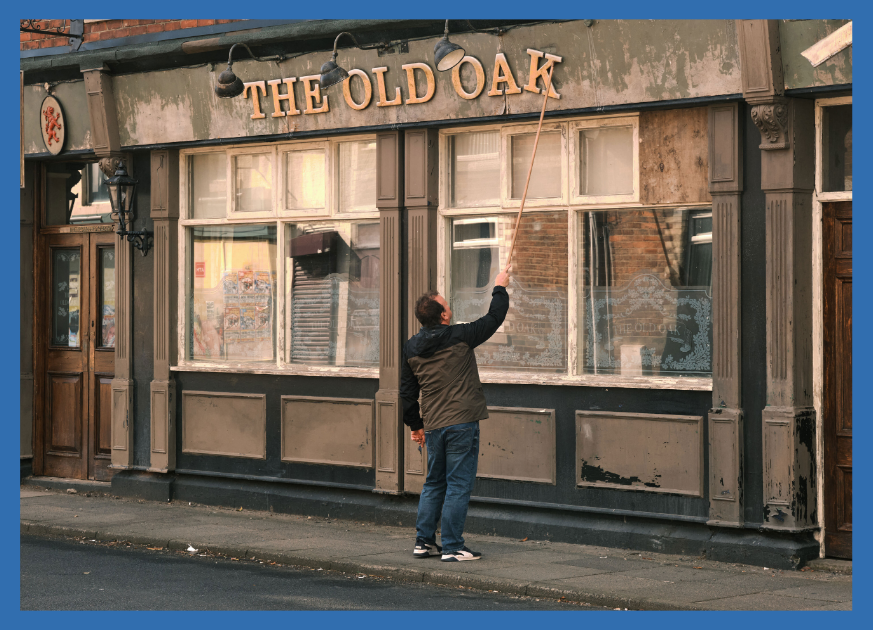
point(439, 364)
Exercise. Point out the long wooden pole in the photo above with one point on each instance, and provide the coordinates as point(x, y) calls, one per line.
point(530, 169)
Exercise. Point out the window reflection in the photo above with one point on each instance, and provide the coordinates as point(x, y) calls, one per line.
point(76, 194)
point(332, 293)
point(646, 299)
point(533, 336)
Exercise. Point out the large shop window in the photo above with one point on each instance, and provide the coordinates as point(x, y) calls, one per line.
point(232, 305)
point(282, 251)
point(621, 291)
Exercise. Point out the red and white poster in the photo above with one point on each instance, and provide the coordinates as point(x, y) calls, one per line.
point(200, 269)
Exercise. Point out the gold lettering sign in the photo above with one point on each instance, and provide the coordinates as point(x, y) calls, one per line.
point(420, 82)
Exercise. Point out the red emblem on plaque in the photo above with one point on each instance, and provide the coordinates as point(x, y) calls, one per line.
point(52, 124)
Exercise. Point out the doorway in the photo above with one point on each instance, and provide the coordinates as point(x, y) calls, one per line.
point(77, 338)
point(837, 384)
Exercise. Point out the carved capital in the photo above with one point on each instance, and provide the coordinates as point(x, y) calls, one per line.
point(771, 119)
point(108, 165)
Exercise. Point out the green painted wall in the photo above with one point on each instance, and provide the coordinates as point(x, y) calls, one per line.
point(795, 37)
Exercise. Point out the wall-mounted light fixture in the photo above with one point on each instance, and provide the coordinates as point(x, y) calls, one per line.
point(229, 84)
point(122, 193)
point(447, 55)
point(331, 73)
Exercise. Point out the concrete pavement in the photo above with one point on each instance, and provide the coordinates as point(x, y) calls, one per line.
point(600, 576)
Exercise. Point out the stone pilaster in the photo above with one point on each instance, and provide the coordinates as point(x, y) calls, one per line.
point(165, 216)
point(389, 425)
point(726, 415)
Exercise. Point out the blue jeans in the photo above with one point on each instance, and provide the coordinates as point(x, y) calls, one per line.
point(452, 460)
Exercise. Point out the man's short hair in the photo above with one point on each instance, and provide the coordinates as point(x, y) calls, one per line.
point(428, 310)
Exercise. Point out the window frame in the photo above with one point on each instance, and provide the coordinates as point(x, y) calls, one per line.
point(233, 212)
point(576, 152)
point(277, 216)
point(574, 205)
point(306, 213)
point(506, 135)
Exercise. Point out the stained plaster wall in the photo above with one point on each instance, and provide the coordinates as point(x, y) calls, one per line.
point(798, 35)
point(74, 102)
point(612, 62)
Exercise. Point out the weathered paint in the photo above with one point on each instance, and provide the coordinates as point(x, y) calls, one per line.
point(232, 425)
point(797, 36)
point(73, 99)
point(613, 62)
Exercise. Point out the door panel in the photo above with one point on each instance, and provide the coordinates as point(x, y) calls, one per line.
point(102, 355)
point(837, 390)
point(65, 408)
point(64, 411)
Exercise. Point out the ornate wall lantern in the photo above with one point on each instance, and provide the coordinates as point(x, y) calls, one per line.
point(122, 193)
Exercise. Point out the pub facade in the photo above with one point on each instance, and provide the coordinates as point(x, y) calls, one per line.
point(674, 373)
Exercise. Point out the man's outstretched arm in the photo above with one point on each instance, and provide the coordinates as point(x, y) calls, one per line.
point(478, 332)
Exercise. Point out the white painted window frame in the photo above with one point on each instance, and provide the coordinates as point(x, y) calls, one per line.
point(507, 133)
point(818, 199)
point(305, 213)
point(445, 161)
point(235, 214)
point(279, 217)
point(573, 205)
point(576, 198)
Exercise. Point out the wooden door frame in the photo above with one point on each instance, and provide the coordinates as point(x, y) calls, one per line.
point(818, 198)
point(41, 309)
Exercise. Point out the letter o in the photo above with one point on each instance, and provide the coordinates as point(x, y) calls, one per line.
point(480, 78)
point(368, 89)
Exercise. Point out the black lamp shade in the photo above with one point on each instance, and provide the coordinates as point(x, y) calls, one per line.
point(122, 188)
point(331, 74)
point(229, 84)
point(447, 55)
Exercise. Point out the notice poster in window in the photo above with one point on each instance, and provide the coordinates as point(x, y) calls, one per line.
point(247, 318)
point(262, 282)
point(262, 317)
point(231, 318)
point(230, 283)
point(246, 281)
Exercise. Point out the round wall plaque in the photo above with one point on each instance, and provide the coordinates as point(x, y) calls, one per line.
point(53, 125)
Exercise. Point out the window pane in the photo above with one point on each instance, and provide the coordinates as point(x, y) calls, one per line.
point(75, 194)
point(606, 161)
point(209, 186)
point(304, 179)
point(231, 298)
point(545, 180)
point(475, 169)
point(645, 301)
point(66, 287)
point(357, 176)
point(534, 335)
point(332, 292)
point(107, 298)
point(254, 182)
point(837, 148)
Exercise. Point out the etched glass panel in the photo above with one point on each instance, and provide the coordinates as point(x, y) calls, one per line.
point(106, 302)
point(545, 180)
point(356, 176)
point(836, 130)
point(232, 293)
point(305, 179)
point(533, 337)
point(645, 298)
point(66, 297)
point(606, 161)
point(75, 194)
point(208, 186)
point(332, 293)
point(253, 182)
point(475, 169)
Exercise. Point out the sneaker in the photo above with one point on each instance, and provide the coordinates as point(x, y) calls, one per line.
point(461, 554)
point(425, 549)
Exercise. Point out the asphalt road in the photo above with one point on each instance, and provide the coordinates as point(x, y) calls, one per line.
point(66, 574)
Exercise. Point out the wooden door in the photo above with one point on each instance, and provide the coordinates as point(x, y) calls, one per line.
point(79, 348)
point(101, 355)
point(837, 386)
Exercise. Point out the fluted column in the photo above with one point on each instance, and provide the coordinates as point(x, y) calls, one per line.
point(165, 216)
point(389, 200)
point(726, 415)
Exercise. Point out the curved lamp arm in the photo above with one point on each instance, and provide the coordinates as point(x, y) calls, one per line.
point(336, 41)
